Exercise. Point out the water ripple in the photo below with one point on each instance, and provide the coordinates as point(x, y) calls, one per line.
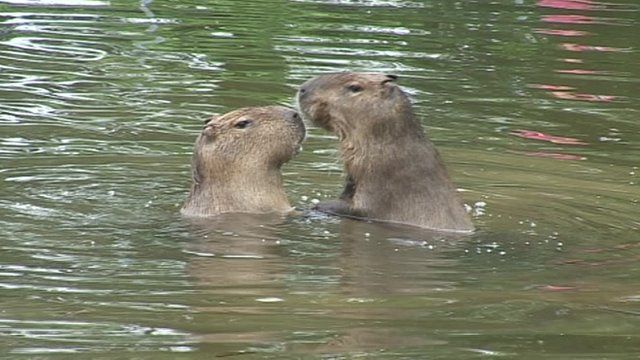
point(80, 336)
point(100, 103)
point(367, 3)
point(63, 3)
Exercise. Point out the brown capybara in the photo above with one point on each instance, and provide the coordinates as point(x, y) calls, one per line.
point(393, 171)
point(237, 159)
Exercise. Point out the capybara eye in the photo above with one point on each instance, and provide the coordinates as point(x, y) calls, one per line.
point(242, 124)
point(354, 88)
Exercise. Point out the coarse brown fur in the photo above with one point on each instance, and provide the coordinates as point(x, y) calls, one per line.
point(394, 173)
point(237, 159)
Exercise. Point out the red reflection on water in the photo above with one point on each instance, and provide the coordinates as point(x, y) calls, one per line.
point(557, 32)
point(565, 92)
point(536, 135)
point(567, 95)
point(571, 4)
point(569, 19)
point(581, 48)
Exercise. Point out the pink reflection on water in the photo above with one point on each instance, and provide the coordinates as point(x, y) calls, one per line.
point(565, 92)
point(550, 87)
point(567, 95)
point(536, 135)
point(580, 72)
point(581, 48)
point(562, 91)
point(572, 4)
point(569, 19)
point(557, 32)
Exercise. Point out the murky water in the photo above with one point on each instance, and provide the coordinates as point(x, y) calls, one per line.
point(534, 106)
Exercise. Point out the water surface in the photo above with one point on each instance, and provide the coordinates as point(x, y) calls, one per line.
point(533, 104)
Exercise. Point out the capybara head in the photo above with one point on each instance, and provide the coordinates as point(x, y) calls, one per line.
point(257, 138)
point(367, 104)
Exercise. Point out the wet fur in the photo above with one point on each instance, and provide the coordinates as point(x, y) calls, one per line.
point(238, 170)
point(394, 173)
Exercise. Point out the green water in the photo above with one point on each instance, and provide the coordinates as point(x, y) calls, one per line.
point(100, 103)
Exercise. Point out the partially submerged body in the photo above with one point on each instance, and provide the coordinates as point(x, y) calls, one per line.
point(237, 159)
point(394, 173)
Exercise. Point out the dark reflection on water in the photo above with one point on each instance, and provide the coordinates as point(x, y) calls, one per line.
point(534, 107)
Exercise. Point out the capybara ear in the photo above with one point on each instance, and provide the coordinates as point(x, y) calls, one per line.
point(389, 78)
point(210, 119)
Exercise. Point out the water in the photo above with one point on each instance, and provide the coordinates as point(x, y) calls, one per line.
point(100, 102)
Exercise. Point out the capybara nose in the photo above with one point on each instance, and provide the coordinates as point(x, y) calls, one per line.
point(291, 115)
point(296, 118)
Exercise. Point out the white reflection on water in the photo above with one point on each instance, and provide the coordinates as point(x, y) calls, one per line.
point(356, 52)
point(369, 3)
point(74, 3)
point(82, 336)
point(46, 47)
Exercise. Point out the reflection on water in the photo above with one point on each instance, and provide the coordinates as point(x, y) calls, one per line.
point(532, 104)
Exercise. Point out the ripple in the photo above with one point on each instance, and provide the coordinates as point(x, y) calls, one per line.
point(55, 289)
point(82, 336)
point(69, 31)
point(64, 3)
point(55, 49)
point(99, 111)
point(372, 29)
point(151, 21)
point(33, 210)
point(367, 3)
point(339, 51)
point(33, 18)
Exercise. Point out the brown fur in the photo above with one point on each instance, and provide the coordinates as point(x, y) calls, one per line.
point(394, 173)
point(236, 168)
